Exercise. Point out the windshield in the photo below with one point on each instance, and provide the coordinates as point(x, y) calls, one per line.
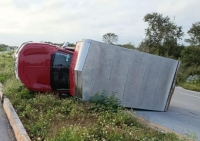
point(60, 70)
point(62, 59)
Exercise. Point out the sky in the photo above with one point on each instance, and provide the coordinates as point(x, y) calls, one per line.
point(73, 20)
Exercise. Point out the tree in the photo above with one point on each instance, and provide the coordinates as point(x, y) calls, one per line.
point(194, 34)
point(110, 38)
point(129, 45)
point(190, 56)
point(161, 34)
point(144, 47)
point(3, 47)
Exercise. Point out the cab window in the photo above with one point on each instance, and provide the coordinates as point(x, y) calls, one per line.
point(60, 67)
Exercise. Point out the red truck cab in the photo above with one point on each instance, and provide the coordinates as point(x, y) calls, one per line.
point(45, 67)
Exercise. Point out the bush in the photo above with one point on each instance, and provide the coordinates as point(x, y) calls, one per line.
point(3, 77)
point(190, 56)
point(191, 86)
point(102, 102)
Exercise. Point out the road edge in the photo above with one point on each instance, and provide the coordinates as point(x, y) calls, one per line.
point(16, 124)
point(196, 92)
point(158, 127)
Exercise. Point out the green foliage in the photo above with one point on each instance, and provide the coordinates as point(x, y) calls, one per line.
point(113, 126)
point(161, 34)
point(102, 102)
point(195, 81)
point(71, 134)
point(129, 46)
point(110, 38)
point(6, 68)
point(175, 52)
point(190, 66)
point(71, 44)
point(190, 56)
point(24, 93)
point(3, 77)
point(3, 47)
point(183, 75)
point(191, 135)
point(39, 112)
point(194, 33)
point(190, 86)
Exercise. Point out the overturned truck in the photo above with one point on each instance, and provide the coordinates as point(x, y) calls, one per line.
point(139, 80)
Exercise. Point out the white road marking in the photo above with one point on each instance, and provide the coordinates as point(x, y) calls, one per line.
point(190, 95)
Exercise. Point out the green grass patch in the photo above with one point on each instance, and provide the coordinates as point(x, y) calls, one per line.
point(6, 67)
point(185, 73)
point(3, 49)
point(190, 86)
point(49, 117)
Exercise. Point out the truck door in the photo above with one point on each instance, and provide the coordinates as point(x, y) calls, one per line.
point(60, 68)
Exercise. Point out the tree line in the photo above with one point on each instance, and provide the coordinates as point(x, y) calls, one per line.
point(3, 47)
point(162, 36)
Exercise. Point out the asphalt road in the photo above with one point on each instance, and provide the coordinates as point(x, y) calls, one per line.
point(183, 115)
point(6, 133)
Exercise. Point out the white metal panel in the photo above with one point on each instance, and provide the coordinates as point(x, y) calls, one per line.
point(83, 51)
point(140, 80)
point(82, 54)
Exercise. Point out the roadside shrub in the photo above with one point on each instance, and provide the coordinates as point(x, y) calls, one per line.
point(24, 93)
point(103, 102)
point(2, 65)
point(190, 56)
point(3, 77)
point(191, 86)
point(72, 134)
point(6, 67)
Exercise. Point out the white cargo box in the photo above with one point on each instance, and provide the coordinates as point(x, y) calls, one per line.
point(140, 80)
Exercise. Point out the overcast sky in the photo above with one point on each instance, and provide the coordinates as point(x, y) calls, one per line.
point(73, 20)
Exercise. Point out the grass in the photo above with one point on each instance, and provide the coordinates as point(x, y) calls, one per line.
point(49, 117)
point(184, 73)
point(3, 49)
point(191, 86)
point(6, 66)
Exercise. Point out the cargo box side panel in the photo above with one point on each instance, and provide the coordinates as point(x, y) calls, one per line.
point(149, 81)
point(139, 80)
point(167, 73)
point(133, 95)
point(78, 83)
point(82, 50)
point(172, 87)
point(87, 77)
point(104, 69)
point(134, 79)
